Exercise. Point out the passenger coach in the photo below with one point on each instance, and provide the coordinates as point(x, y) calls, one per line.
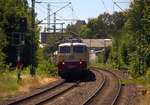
point(73, 57)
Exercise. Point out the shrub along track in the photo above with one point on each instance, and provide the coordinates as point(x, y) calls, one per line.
point(48, 93)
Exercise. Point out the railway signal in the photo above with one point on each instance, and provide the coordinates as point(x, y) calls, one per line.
point(23, 24)
point(18, 42)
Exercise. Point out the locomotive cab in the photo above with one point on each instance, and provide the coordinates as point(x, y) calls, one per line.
point(72, 58)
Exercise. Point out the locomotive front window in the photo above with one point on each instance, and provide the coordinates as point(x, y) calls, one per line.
point(65, 49)
point(78, 49)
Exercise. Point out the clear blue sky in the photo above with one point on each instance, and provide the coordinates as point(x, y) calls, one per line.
point(83, 9)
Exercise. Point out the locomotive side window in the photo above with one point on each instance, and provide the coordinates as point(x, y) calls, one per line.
point(64, 49)
point(78, 49)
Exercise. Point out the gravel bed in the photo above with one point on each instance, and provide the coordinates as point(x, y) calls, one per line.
point(80, 94)
point(44, 95)
point(108, 93)
point(129, 92)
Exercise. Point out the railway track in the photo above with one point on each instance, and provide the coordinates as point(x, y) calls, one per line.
point(99, 95)
point(46, 94)
point(97, 92)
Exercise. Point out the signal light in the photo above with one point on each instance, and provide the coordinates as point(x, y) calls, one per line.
point(22, 21)
point(23, 24)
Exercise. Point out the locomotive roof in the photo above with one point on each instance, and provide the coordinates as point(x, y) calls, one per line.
point(74, 44)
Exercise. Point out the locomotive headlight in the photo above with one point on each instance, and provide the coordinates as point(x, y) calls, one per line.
point(81, 62)
point(63, 63)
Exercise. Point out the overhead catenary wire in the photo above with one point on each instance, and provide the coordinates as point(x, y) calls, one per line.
point(72, 9)
point(117, 5)
point(104, 6)
point(54, 12)
point(61, 18)
point(43, 9)
point(122, 2)
point(113, 6)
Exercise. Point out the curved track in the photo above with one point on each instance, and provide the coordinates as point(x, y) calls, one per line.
point(100, 94)
point(96, 93)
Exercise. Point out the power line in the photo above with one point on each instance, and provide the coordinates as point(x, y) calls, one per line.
point(122, 2)
point(55, 12)
point(117, 5)
point(104, 6)
point(43, 9)
point(59, 15)
point(40, 8)
point(72, 9)
point(113, 6)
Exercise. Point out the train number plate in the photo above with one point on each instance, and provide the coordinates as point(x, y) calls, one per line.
point(71, 57)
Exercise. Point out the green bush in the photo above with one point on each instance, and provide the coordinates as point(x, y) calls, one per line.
point(148, 75)
point(134, 67)
point(100, 57)
point(8, 82)
point(46, 69)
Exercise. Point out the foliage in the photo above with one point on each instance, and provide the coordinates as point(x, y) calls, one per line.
point(99, 27)
point(103, 56)
point(124, 53)
point(131, 38)
point(134, 66)
point(10, 86)
point(3, 43)
point(100, 57)
point(51, 46)
point(8, 83)
point(10, 13)
point(148, 75)
point(72, 31)
point(46, 69)
point(85, 32)
point(138, 27)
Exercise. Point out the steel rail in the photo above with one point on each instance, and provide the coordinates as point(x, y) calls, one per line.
point(98, 90)
point(119, 84)
point(36, 94)
point(57, 95)
point(119, 90)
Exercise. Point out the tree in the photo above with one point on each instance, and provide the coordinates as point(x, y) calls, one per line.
point(85, 32)
point(72, 31)
point(10, 13)
point(3, 43)
point(138, 26)
point(51, 46)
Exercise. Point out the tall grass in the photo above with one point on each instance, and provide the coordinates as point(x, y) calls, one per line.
point(46, 69)
point(105, 66)
point(9, 84)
